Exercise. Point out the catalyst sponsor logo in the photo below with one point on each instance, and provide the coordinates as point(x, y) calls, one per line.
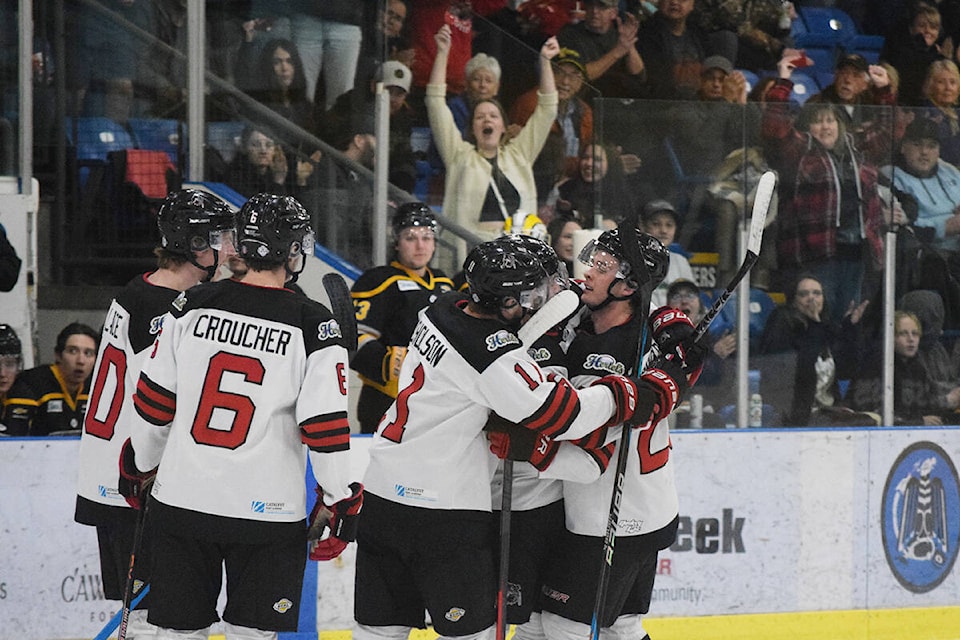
point(920, 521)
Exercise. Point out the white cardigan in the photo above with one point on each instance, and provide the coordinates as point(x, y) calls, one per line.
point(468, 172)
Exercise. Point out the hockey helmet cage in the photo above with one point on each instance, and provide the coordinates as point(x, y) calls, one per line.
point(9, 342)
point(500, 269)
point(654, 256)
point(274, 228)
point(413, 214)
point(192, 220)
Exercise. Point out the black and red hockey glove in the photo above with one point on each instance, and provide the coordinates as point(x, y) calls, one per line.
point(343, 519)
point(668, 383)
point(675, 335)
point(511, 441)
point(134, 485)
point(624, 395)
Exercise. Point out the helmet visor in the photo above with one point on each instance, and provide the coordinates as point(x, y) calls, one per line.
point(219, 239)
point(599, 257)
point(533, 299)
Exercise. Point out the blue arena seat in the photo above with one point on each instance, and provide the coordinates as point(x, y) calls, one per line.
point(95, 137)
point(225, 138)
point(154, 134)
point(804, 86)
point(752, 78)
point(761, 306)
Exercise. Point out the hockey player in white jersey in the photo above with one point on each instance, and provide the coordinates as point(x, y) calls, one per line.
point(197, 232)
point(618, 293)
point(246, 380)
point(425, 542)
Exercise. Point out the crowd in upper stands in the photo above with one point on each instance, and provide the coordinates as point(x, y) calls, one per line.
point(860, 122)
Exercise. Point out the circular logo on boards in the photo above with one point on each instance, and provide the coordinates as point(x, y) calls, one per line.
point(921, 517)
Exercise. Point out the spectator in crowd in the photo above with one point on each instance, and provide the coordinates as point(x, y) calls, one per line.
point(702, 133)
point(383, 40)
point(275, 77)
point(661, 220)
point(424, 21)
point(912, 50)
point(919, 396)
point(857, 88)
point(764, 33)
point(673, 49)
point(387, 300)
point(599, 191)
point(607, 44)
point(489, 177)
point(11, 362)
point(396, 78)
point(483, 83)
point(718, 367)
point(51, 398)
point(561, 230)
point(830, 212)
point(941, 359)
point(9, 263)
point(574, 124)
point(941, 90)
point(932, 183)
point(801, 354)
point(259, 166)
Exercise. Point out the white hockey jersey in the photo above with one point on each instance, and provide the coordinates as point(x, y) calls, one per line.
point(241, 382)
point(430, 450)
point(129, 330)
point(649, 503)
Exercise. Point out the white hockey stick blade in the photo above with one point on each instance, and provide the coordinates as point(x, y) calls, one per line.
point(761, 205)
point(555, 311)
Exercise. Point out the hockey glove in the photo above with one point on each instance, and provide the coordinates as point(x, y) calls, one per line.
point(665, 384)
point(343, 518)
point(392, 361)
point(134, 485)
point(675, 334)
point(511, 441)
point(624, 395)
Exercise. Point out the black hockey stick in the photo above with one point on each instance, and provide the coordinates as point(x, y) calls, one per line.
point(555, 311)
point(761, 205)
point(342, 307)
point(129, 588)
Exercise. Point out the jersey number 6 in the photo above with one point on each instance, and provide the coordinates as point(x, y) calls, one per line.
point(213, 397)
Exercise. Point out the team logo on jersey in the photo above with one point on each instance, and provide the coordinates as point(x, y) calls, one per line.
point(501, 338)
point(540, 354)
point(180, 302)
point(514, 595)
point(282, 605)
point(329, 329)
point(455, 614)
point(921, 517)
point(156, 324)
point(55, 406)
point(604, 362)
point(407, 285)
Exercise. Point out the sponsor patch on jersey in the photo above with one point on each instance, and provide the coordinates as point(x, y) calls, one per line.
point(604, 362)
point(629, 527)
point(270, 508)
point(55, 406)
point(155, 325)
point(553, 594)
point(455, 614)
point(329, 329)
point(180, 301)
point(500, 339)
point(107, 492)
point(282, 605)
point(921, 517)
point(407, 285)
point(415, 494)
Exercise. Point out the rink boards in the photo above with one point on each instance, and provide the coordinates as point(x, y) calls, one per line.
point(784, 534)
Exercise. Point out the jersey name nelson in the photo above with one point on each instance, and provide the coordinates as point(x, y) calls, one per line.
point(429, 345)
point(243, 334)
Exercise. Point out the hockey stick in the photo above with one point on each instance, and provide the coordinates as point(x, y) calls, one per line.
point(128, 589)
point(761, 204)
point(115, 620)
point(342, 307)
point(556, 310)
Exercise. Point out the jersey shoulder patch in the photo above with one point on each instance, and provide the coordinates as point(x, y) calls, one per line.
point(479, 341)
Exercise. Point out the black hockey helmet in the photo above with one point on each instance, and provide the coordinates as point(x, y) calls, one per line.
point(652, 256)
point(273, 229)
point(9, 342)
point(551, 263)
point(192, 220)
point(413, 214)
point(501, 269)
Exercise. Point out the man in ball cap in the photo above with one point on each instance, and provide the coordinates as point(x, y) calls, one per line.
point(11, 360)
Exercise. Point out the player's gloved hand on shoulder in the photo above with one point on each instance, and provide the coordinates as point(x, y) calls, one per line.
point(624, 395)
point(392, 362)
point(343, 519)
point(512, 441)
point(134, 485)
